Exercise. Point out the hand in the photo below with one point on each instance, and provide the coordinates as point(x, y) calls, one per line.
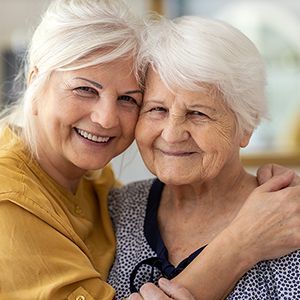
point(167, 290)
point(268, 224)
point(266, 172)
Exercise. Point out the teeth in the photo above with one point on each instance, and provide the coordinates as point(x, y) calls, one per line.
point(91, 137)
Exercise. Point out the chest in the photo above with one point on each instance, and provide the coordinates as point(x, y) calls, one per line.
point(183, 233)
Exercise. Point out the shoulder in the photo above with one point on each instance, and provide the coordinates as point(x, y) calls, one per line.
point(132, 192)
point(271, 279)
point(24, 187)
point(129, 198)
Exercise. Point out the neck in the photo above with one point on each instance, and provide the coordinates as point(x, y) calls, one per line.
point(234, 184)
point(64, 173)
point(202, 209)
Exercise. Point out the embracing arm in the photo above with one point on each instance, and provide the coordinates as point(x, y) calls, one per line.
point(271, 213)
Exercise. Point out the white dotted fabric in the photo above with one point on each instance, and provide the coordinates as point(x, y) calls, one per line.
point(275, 279)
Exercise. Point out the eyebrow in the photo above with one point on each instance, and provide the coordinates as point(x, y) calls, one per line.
point(100, 86)
point(195, 106)
point(94, 83)
point(134, 92)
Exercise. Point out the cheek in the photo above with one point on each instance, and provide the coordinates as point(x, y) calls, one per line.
point(226, 133)
point(128, 122)
point(144, 136)
point(217, 138)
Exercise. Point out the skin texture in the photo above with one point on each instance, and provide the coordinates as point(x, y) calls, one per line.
point(103, 100)
point(195, 134)
point(190, 141)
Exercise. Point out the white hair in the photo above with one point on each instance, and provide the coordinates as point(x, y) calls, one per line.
point(191, 51)
point(69, 32)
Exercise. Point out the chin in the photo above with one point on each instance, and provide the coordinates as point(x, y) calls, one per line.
point(92, 166)
point(173, 180)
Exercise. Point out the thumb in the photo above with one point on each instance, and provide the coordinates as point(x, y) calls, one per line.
point(277, 182)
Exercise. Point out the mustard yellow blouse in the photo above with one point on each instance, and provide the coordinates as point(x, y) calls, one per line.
point(53, 244)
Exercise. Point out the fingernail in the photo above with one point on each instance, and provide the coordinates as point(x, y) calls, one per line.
point(164, 281)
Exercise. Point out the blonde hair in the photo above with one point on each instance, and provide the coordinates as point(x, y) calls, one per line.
point(69, 32)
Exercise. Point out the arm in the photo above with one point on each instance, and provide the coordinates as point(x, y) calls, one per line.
point(37, 261)
point(266, 227)
point(270, 214)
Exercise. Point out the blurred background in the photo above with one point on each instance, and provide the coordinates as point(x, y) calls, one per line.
point(273, 25)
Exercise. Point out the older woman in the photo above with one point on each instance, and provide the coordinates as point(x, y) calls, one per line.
point(204, 96)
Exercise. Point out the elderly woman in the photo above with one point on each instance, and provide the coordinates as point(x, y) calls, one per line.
point(204, 96)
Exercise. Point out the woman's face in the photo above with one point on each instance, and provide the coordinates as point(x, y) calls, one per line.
point(87, 116)
point(186, 137)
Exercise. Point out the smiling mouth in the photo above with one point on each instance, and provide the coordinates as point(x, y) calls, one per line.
point(177, 153)
point(92, 137)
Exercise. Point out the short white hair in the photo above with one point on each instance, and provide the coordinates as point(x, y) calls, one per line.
point(69, 33)
point(189, 51)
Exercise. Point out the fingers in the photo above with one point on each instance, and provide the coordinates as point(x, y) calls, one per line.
point(296, 180)
point(264, 173)
point(278, 182)
point(174, 290)
point(151, 292)
point(168, 290)
point(134, 296)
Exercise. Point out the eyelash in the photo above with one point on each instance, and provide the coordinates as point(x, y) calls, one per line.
point(86, 91)
point(197, 113)
point(193, 115)
point(157, 109)
point(129, 99)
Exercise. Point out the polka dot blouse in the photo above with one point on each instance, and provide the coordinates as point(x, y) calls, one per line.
point(142, 256)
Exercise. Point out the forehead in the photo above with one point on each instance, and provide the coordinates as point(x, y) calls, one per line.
point(207, 94)
point(117, 70)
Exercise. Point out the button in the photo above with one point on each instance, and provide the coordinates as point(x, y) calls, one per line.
point(78, 211)
point(80, 297)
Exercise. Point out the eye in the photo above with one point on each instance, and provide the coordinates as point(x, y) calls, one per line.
point(155, 112)
point(128, 100)
point(197, 113)
point(157, 109)
point(197, 116)
point(86, 91)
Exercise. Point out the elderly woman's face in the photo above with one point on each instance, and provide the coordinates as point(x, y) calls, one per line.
point(88, 116)
point(185, 137)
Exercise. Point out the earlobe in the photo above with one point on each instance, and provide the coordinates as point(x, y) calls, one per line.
point(245, 138)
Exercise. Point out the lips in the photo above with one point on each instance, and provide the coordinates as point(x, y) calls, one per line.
point(177, 153)
point(92, 137)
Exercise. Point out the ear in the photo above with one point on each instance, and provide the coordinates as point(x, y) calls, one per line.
point(245, 138)
point(32, 75)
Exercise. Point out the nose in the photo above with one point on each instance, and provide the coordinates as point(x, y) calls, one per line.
point(105, 113)
point(174, 130)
